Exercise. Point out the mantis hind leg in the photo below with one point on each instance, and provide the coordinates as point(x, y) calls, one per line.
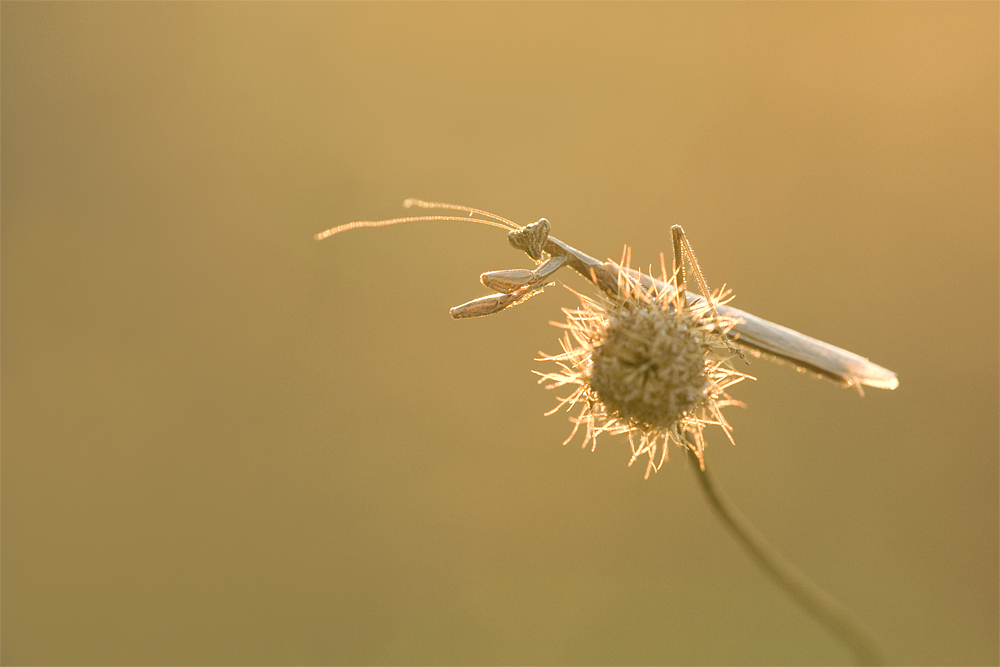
point(682, 248)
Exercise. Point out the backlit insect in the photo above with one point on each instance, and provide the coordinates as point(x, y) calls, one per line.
point(756, 335)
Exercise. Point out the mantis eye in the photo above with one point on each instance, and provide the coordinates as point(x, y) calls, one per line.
point(531, 238)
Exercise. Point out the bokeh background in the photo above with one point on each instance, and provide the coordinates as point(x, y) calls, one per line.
point(226, 443)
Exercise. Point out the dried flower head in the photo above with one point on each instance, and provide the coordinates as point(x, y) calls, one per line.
point(649, 364)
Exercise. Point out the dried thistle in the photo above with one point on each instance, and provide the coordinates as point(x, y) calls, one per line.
point(647, 363)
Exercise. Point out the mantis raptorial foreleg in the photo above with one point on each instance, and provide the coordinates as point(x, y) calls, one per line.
point(511, 280)
point(494, 303)
point(515, 285)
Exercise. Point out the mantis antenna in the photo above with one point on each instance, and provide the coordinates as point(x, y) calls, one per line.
point(495, 221)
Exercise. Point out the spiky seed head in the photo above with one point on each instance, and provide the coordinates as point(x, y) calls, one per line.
point(648, 366)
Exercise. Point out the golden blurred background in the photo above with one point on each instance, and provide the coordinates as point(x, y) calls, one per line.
point(226, 443)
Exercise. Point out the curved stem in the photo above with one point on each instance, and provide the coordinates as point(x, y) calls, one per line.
point(827, 609)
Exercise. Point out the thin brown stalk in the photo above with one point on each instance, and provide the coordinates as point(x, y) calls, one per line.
point(829, 611)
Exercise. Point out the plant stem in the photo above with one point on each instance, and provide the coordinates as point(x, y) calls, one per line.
point(827, 609)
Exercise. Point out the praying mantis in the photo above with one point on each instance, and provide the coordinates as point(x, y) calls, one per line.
point(755, 334)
